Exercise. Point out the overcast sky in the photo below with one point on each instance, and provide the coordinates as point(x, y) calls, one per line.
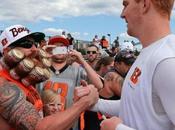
point(82, 18)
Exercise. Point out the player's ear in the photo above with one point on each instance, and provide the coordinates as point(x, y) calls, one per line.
point(145, 6)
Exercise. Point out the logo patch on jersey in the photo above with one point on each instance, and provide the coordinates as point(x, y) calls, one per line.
point(134, 77)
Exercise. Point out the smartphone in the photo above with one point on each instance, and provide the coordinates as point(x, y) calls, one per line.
point(60, 50)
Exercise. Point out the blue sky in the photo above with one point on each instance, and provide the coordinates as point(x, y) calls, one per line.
point(83, 19)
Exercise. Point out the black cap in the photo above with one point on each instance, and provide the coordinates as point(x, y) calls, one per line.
point(38, 36)
point(125, 56)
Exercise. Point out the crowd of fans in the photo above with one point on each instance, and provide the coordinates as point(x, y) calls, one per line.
point(48, 85)
point(60, 69)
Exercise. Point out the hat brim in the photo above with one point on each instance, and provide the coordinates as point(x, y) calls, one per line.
point(37, 36)
point(58, 39)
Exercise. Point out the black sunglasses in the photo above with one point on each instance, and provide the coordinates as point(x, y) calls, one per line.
point(24, 44)
point(93, 52)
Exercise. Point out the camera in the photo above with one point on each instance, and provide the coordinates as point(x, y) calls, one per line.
point(60, 50)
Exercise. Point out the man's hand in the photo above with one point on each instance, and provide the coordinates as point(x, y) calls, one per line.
point(80, 92)
point(77, 56)
point(83, 82)
point(110, 124)
point(93, 96)
point(87, 94)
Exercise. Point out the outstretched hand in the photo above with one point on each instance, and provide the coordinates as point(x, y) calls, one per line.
point(110, 124)
point(80, 92)
point(87, 94)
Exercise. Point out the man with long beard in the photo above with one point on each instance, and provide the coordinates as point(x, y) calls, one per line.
point(20, 70)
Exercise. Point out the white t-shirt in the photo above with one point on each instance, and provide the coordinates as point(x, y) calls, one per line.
point(149, 81)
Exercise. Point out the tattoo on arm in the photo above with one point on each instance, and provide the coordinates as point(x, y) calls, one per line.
point(8, 96)
point(109, 76)
point(14, 108)
point(120, 81)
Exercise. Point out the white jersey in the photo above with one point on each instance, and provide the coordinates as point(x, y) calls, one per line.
point(136, 108)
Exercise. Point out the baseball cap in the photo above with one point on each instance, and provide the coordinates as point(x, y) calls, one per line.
point(58, 39)
point(125, 56)
point(38, 36)
point(14, 33)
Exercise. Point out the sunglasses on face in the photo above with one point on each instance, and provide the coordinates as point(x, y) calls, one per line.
point(92, 52)
point(24, 44)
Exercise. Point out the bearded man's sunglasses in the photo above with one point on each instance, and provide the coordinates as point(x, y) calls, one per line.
point(24, 43)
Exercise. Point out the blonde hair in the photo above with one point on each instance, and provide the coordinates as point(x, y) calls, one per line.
point(49, 96)
point(162, 6)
